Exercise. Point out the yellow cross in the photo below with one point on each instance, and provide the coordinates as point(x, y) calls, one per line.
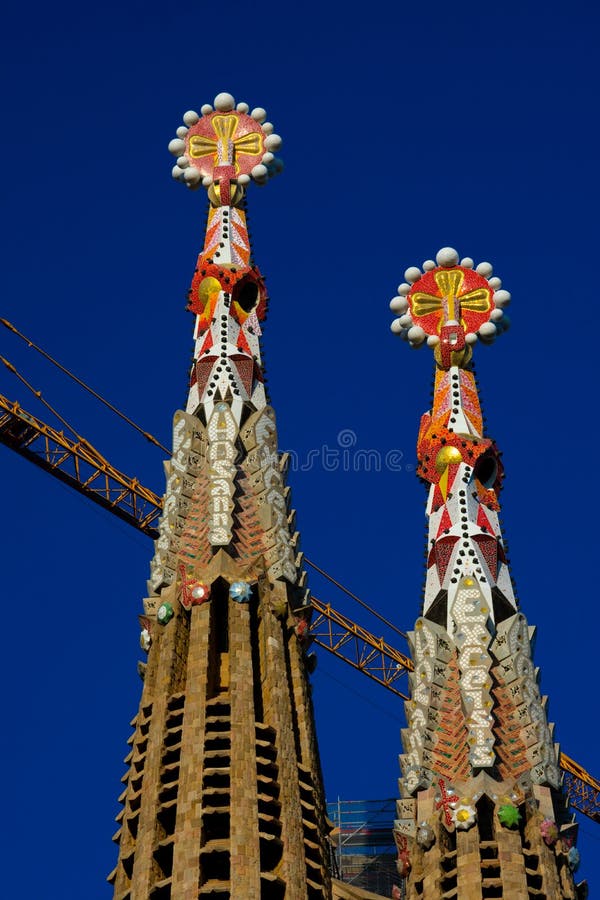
point(450, 303)
point(224, 128)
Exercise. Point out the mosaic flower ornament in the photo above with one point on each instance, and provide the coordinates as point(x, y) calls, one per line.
point(549, 832)
point(200, 592)
point(225, 145)
point(574, 859)
point(193, 592)
point(240, 591)
point(425, 836)
point(464, 815)
point(509, 815)
point(165, 613)
point(450, 305)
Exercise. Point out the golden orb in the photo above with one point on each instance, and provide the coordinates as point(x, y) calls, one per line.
point(445, 457)
point(209, 287)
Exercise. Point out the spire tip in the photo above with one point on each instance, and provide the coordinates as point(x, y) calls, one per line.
point(224, 147)
point(450, 306)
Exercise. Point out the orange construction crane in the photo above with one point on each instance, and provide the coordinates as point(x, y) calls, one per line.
point(358, 647)
point(79, 465)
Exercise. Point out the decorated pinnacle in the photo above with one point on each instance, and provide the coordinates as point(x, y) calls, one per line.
point(450, 305)
point(224, 147)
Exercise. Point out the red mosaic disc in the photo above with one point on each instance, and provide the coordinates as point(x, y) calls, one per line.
point(447, 294)
point(208, 142)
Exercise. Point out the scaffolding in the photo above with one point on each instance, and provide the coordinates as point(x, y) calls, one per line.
point(363, 844)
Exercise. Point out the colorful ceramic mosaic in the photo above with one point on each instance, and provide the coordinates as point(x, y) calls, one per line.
point(225, 488)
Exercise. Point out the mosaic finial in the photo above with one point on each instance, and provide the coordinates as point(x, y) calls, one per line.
point(224, 147)
point(450, 305)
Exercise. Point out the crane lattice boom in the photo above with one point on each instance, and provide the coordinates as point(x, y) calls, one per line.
point(79, 465)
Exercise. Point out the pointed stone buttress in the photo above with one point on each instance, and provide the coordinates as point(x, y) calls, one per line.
point(223, 796)
point(481, 812)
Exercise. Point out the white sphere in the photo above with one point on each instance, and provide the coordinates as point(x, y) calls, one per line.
point(192, 175)
point(467, 262)
point(206, 109)
point(224, 102)
point(268, 158)
point(428, 265)
point(259, 171)
point(403, 289)
point(399, 305)
point(244, 179)
point(207, 181)
point(433, 340)
point(471, 338)
point(396, 326)
point(183, 162)
point(488, 330)
point(243, 108)
point(501, 299)
point(447, 256)
point(416, 335)
point(496, 315)
point(176, 172)
point(191, 117)
point(412, 274)
point(495, 283)
point(273, 142)
point(485, 269)
point(259, 114)
point(176, 146)
point(268, 127)
point(182, 131)
point(406, 320)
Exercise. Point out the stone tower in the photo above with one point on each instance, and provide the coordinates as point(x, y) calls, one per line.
point(223, 796)
point(481, 812)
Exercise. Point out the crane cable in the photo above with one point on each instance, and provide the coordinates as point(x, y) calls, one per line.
point(38, 395)
point(354, 597)
point(65, 371)
point(153, 440)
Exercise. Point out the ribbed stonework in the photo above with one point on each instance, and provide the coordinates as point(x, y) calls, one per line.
point(481, 814)
point(223, 796)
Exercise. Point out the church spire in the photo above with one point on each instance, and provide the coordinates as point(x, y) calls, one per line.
point(480, 782)
point(224, 795)
point(223, 150)
point(450, 307)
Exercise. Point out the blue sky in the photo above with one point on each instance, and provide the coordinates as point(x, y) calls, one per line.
point(405, 129)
